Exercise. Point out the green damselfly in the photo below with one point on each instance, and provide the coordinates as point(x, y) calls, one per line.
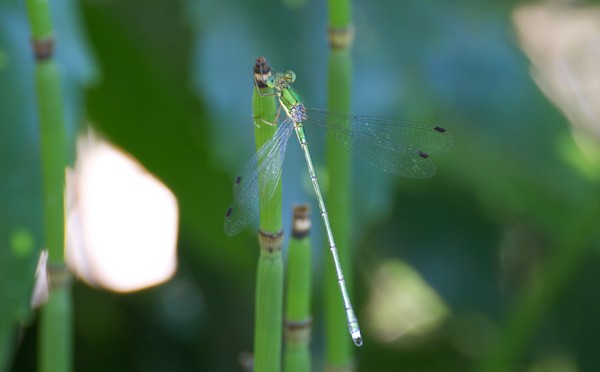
point(396, 146)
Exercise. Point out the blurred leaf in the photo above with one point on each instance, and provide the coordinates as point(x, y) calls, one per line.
point(176, 94)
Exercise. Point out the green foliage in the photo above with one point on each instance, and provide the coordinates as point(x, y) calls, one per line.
point(508, 219)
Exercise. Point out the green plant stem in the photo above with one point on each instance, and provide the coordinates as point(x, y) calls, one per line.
point(535, 302)
point(269, 302)
point(55, 323)
point(340, 13)
point(269, 282)
point(264, 108)
point(339, 347)
point(298, 320)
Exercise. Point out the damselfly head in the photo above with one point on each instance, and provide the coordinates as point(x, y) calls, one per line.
point(281, 81)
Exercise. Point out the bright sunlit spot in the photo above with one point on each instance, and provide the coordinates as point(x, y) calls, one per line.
point(563, 44)
point(403, 307)
point(121, 220)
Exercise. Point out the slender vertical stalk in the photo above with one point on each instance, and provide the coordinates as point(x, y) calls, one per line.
point(269, 282)
point(339, 347)
point(55, 323)
point(298, 320)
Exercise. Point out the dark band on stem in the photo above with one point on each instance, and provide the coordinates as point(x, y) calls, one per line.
point(298, 324)
point(298, 331)
point(43, 49)
point(340, 38)
point(58, 276)
point(269, 241)
point(301, 222)
point(262, 71)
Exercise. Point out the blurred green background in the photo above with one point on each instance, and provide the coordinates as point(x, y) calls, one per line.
point(506, 234)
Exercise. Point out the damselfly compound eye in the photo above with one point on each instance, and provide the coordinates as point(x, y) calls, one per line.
point(290, 76)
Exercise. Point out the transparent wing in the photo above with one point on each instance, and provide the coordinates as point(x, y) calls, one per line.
point(259, 177)
point(395, 146)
